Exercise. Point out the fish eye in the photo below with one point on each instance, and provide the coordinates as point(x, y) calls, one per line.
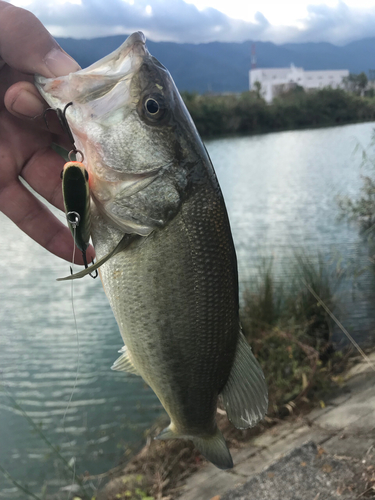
point(152, 106)
point(86, 175)
point(153, 109)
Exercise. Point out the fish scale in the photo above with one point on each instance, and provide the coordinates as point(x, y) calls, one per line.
point(149, 270)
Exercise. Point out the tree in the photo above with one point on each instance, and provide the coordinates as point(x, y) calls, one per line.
point(258, 89)
point(356, 83)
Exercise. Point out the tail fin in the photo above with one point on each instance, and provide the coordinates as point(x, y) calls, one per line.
point(214, 447)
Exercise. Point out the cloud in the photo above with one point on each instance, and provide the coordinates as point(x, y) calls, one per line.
point(261, 19)
point(339, 24)
point(158, 19)
point(177, 21)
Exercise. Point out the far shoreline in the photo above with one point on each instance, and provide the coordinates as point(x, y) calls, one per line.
point(219, 116)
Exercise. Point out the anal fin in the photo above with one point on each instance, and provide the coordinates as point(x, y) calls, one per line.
point(124, 363)
point(245, 395)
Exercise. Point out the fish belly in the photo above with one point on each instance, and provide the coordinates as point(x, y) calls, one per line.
point(175, 298)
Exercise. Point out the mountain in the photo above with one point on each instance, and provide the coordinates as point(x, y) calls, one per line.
point(224, 67)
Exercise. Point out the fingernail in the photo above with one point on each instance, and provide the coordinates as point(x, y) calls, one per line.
point(27, 104)
point(59, 63)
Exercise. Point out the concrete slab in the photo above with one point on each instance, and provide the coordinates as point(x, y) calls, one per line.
point(318, 412)
point(244, 453)
point(303, 474)
point(221, 482)
point(341, 398)
point(363, 426)
point(343, 416)
point(255, 464)
point(274, 434)
point(354, 447)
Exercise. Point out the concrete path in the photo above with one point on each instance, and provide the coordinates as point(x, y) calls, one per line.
point(340, 441)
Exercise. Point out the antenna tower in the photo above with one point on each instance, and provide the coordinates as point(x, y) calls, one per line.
point(253, 56)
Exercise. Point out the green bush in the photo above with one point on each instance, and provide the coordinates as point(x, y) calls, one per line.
point(249, 113)
point(287, 327)
point(362, 209)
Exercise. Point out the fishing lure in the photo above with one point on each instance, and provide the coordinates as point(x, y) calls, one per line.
point(76, 192)
point(76, 195)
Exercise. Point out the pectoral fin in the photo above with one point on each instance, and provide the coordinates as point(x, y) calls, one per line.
point(245, 395)
point(124, 242)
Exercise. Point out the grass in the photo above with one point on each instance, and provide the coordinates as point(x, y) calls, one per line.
point(362, 208)
point(289, 330)
point(269, 302)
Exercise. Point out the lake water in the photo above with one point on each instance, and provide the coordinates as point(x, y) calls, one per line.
point(280, 193)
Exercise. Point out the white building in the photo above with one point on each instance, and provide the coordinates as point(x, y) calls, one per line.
point(275, 81)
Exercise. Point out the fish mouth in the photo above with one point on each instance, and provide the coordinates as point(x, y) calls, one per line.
point(110, 65)
point(97, 80)
point(116, 63)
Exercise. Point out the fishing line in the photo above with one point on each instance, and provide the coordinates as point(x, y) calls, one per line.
point(77, 336)
point(41, 434)
point(18, 484)
point(342, 328)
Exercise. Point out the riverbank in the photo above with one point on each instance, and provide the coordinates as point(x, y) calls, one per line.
point(341, 425)
point(248, 113)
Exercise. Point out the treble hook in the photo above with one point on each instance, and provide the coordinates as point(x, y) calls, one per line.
point(86, 265)
point(61, 115)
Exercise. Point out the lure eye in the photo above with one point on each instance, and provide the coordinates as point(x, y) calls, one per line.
point(61, 174)
point(152, 106)
point(86, 175)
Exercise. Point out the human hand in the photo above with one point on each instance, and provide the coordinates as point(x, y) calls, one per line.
point(26, 47)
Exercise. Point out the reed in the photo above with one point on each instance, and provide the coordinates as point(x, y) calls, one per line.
point(289, 330)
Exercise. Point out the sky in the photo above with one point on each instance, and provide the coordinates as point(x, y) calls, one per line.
point(198, 21)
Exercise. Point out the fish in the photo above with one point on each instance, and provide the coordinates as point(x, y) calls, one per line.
point(173, 286)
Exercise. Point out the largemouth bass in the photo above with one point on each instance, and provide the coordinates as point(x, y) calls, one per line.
point(173, 285)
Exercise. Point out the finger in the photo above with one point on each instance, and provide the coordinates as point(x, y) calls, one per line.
point(24, 101)
point(33, 217)
point(43, 173)
point(26, 45)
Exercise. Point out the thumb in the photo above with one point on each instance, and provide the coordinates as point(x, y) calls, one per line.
point(27, 46)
